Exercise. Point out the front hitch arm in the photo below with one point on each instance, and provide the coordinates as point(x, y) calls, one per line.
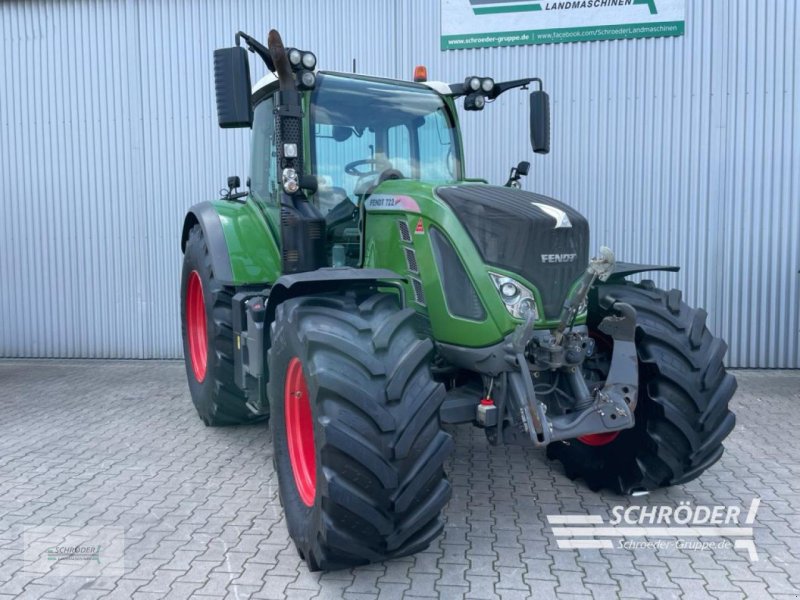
point(611, 408)
point(613, 405)
point(623, 375)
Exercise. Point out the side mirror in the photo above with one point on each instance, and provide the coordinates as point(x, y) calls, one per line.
point(523, 168)
point(540, 122)
point(232, 84)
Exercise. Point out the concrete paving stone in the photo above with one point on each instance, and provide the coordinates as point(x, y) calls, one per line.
point(33, 591)
point(544, 588)
point(254, 574)
point(180, 590)
point(510, 578)
point(67, 587)
point(19, 581)
point(454, 554)
point(717, 581)
point(83, 594)
point(738, 595)
point(198, 571)
point(681, 567)
point(565, 560)
point(216, 585)
point(275, 586)
point(292, 593)
point(481, 587)
point(233, 563)
point(124, 588)
point(453, 575)
point(357, 596)
point(657, 577)
point(332, 590)
point(394, 591)
point(426, 562)
point(146, 568)
point(632, 586)
point(9, 567)
point(397, 571)
point(482, 566)
point(423, 585)
point(675, 593)
point(365, 581)
point(601, 592)
point(694, 588)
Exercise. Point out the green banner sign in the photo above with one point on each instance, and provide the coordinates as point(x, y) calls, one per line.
point(486, 23)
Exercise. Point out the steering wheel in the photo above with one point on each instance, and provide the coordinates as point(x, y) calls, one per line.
point(350, 168)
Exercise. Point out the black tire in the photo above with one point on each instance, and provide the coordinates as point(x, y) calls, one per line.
point(379, 449)
point(216, 397)
point(682, 413)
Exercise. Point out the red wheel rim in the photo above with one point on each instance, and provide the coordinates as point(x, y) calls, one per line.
point(300, 432)
point(196, 326)
point(599, 439)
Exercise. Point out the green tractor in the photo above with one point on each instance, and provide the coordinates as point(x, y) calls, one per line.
point(363, 292)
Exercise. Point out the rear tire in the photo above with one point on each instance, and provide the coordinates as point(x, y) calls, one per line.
point(208, 339)
point(374, 486)
point(682, 413)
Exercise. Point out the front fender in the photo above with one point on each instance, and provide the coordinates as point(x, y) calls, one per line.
point(329, 279)
point(624, 269)
point(244, 250)
point(205, 215)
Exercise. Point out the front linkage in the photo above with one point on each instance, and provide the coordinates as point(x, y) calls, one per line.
point(524, 355)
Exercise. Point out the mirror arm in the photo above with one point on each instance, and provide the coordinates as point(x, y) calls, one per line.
point(504, 86)
point(256, 47)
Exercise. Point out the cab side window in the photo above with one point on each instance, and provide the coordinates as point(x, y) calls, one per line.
point(263, 179)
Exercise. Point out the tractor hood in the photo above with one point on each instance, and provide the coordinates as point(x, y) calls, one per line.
point(545, 241)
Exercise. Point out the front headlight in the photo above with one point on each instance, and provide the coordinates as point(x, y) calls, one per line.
point(518, 299)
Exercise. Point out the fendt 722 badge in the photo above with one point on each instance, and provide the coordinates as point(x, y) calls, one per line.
point(363, 292)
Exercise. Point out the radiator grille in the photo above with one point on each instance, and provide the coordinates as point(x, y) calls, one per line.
point(405, 232)
point(419, 295)
point(411, 260)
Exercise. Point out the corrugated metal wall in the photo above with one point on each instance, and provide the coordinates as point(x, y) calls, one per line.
point(679, 150)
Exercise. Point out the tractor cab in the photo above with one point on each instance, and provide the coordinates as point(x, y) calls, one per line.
point(362, 131)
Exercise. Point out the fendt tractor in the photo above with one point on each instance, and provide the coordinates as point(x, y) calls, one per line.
point(363, 293)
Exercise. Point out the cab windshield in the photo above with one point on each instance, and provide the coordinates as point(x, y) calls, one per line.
point(365, 131)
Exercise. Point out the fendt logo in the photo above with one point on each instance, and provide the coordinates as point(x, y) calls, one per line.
point(488, 7)
point(559, 258)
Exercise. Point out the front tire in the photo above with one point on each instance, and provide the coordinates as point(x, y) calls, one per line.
point(357, 443)
point(682, 413)
point(208, 339)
